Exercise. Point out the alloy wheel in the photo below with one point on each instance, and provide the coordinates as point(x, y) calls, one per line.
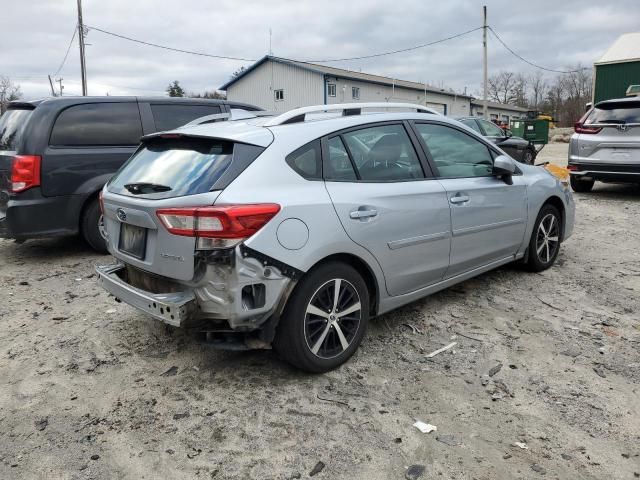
point(548, 238)
point(332, 318)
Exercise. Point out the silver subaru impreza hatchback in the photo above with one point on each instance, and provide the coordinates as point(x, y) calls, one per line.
point(295, 230)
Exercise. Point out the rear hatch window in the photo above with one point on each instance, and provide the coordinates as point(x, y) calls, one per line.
point(173, 167)
point(618, 113)
point(12, 125)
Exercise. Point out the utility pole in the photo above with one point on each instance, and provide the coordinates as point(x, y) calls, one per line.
point(53, 92)
point(83, 66)
point(485, 107)
point(270, 51)
point(59, 80)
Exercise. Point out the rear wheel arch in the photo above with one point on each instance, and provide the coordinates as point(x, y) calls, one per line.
point(363, 269)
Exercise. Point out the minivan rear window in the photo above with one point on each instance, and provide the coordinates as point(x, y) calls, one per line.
point(166, 168)
point(615, 112)
point(12, 125)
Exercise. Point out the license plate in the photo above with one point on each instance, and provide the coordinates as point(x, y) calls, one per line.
point(133, 240)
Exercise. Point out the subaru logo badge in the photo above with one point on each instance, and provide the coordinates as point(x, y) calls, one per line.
point(122, 215)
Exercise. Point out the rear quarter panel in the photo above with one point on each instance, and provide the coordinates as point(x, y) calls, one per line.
point(270, 180)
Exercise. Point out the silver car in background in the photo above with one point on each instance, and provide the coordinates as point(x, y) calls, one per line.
point(295, 230)
point(606, 145)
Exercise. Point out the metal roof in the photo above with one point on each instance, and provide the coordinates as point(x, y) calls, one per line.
point(625, 49)
point(342, 73)
point(500, 106)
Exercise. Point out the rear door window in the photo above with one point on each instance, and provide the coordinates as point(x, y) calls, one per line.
point(383, 154)
point(166, 168)
point(169, 116)
point(616, 113)
point(98, 124)
point(12, 124)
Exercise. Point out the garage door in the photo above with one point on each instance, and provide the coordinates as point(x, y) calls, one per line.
point(438, 107)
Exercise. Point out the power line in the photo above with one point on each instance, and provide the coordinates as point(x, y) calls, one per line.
point(75, 30)
point(529, 62)
point(392, 52)
point(202, 54)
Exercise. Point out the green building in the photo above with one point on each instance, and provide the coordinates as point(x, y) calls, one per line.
point(618, 68)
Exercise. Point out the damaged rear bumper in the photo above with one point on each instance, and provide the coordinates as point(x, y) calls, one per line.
point(172, 308)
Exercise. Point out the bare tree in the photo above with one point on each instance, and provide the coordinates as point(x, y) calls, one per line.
point(538, 89)
point(215, 94)
point(508, 88)
point(9, 91)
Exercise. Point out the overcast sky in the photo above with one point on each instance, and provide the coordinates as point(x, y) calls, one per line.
point(34, 36)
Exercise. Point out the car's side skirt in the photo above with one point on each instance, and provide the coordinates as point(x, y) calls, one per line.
point(391, 303)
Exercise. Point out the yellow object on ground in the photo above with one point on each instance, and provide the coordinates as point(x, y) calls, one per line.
point(559, 172)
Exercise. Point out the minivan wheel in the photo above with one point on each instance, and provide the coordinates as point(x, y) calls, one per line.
point(90, 227)
point(325, 318)
point(545, 239)
point(581, 186)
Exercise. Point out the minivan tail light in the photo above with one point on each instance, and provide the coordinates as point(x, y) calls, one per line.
point(25, 172)
point(227, 222)
point(582, 128)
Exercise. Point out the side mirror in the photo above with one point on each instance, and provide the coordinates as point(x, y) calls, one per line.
point(504, 167)
point(508, 134)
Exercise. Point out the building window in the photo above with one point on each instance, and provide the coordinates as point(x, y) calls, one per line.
point(279, 95)
point(355, 93)
point(331, 89)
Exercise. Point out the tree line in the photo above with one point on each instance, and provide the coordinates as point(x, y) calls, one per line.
point(563, 96)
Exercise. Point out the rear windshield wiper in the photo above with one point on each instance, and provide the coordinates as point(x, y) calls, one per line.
point(143, 187)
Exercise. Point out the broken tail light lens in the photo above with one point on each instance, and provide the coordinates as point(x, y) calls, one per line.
point(218, 226)
point(25, 172)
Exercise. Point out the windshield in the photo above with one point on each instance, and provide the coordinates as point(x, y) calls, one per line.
point(615, 112)
point(165, 168)
point(12, 124)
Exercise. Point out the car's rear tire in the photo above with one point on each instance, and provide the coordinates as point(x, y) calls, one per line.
point(529, 156)
point(581, 186)
point(317, 333)
point(90, 227)
point(544, 244)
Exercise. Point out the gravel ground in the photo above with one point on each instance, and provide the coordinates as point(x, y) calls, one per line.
point(90, 388)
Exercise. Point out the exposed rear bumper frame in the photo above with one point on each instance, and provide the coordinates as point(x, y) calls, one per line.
point(171, 308)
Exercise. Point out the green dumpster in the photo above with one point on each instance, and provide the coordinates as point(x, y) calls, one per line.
point(534, 130)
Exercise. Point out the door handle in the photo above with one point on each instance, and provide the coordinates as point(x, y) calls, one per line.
point(459, 198)
point(359, 214)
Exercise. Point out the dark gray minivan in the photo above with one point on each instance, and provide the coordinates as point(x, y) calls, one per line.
point(57, 153)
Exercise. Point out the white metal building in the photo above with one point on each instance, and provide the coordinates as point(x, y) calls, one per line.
point(280, 84)
point(497, 111)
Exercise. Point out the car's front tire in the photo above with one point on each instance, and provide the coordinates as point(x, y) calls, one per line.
point(544, 244)
point(325, 318)
point(90, 227)
point(581, 186)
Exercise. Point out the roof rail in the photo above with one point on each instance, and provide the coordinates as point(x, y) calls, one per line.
point(235, 114)
point(299, 114)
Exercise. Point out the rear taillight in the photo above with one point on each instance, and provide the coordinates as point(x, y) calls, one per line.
point(582, 128)
point(25, 172)
point(218, 226)
point(101, 202)
point(572, 168)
